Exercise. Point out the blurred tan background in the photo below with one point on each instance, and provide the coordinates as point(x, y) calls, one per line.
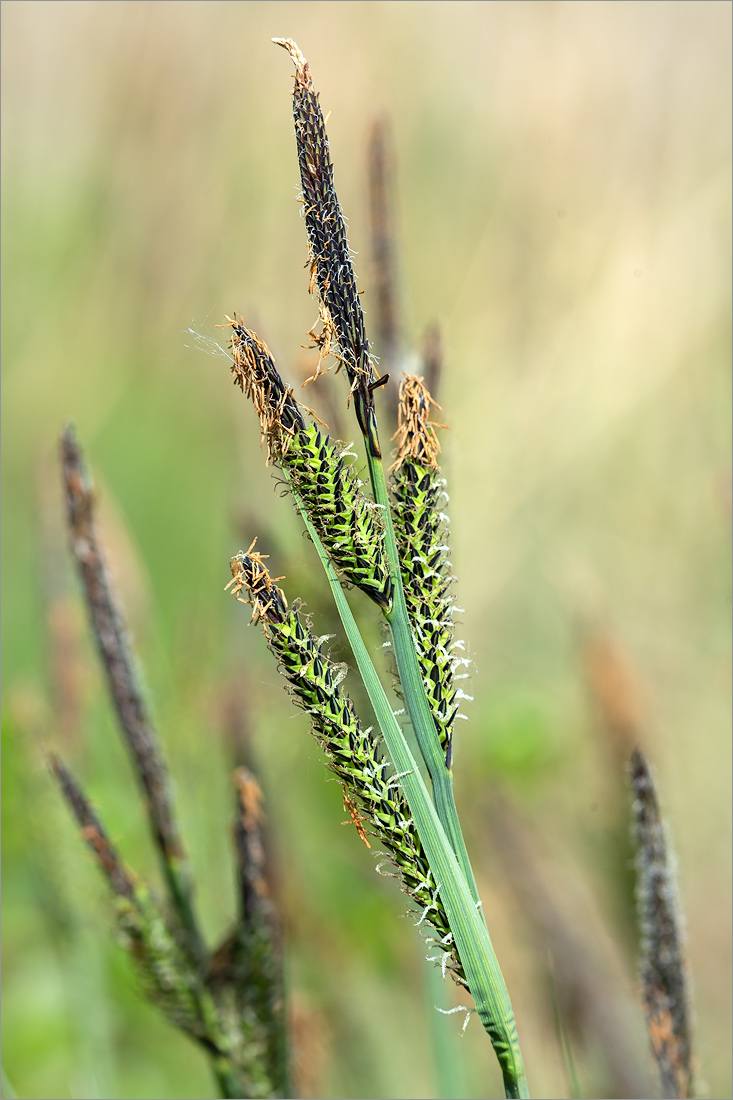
point(563, 199)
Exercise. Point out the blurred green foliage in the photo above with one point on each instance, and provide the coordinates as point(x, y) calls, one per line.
point(563, 196)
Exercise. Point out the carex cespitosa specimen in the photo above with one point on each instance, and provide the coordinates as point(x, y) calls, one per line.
point(394, 548)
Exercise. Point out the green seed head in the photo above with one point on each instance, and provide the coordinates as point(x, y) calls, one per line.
point(372, 793)
point(419, 497)
point(349, 524)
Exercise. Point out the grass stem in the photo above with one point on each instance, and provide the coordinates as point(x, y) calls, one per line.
point(473, 943)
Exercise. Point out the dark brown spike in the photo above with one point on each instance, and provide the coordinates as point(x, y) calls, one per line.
point(332, 272)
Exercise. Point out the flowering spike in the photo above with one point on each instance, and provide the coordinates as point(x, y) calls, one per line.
point(372, 793)
point(349, 524)
point(418, 492)
point(332, 272)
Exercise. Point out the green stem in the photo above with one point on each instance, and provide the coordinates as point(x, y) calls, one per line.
point(444, 1043)
point(229, 1086)
point(178, 879)
point(485, 980)
point(416, 701)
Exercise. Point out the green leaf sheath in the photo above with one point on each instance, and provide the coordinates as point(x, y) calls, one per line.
point(373, 793)
point(350, 524)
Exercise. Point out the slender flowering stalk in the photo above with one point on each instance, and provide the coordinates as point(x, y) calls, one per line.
point(431, 355)
point(116, 653)
point(664, 983)
point(124, 684)
point(250, 962)
point(256, 907)
point(419, 496)
point(349, 523)
point(372, 793)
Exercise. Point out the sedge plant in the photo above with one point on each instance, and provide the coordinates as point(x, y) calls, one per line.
point(388, 539)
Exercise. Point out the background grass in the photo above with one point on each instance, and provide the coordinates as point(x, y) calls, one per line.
point(563, 194)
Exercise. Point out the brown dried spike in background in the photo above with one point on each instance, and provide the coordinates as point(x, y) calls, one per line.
point(615, 689)
point(380, 163)
point(249, 845)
